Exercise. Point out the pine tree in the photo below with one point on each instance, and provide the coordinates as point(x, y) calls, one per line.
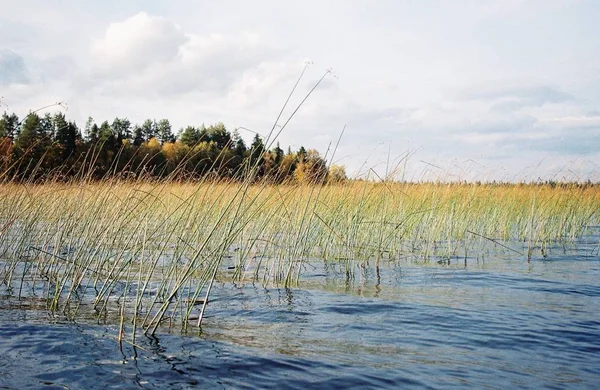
point(301, 153)
point(30, 132)
point(46, 130)
point(149, 129)
point(278, 155)
point(105, 132)
point(66, 135)
point(164, 131)
point(257, 151)
point(9, 125)
point(33, 143)
point(90, 133)
point(219, 135)
point(239, 146)
point(138, 135)
point(122, 129)
point(189, 136)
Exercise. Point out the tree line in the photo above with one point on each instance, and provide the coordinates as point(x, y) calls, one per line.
point(38, 147)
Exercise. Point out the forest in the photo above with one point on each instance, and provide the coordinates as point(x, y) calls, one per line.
point(38, 147)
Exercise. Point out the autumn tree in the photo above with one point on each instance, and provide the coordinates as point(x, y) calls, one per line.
point(337, 174)
point(8, 130)
point(41, 144)
point(311, 169)
point(287, 166)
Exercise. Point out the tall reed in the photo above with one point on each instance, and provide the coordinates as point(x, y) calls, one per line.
point(151, 250)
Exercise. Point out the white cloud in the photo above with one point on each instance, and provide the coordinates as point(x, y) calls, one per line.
point(12, 68)
point(583, 120)
point(497, 137)
point(265, 84)
point(153, 55)
point(136, 44)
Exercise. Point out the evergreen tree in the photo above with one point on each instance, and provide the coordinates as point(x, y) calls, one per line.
point(105, 133)
point(239, 146)
point(47, 127)
point(238, 152)
point(109, 147)
point(203, 134)
point(32, 144)
point(91, 131)
point(277, 155)
point(301, 153)
point(273, 161)
point(149, 129)
point(9, 125)
point(138, 135)
point(257, 151)
point(40, 144)
point(164, 131)
point(59, 124)
point(122, 129)
point(66, 135)
point(95, 134)
point(30, 132)
point(189, 136)
point(219, 135)
point(60, 129)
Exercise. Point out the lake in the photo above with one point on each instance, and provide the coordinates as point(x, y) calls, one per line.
point(495, 321)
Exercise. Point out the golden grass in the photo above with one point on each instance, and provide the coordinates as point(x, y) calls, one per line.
point(155, 248)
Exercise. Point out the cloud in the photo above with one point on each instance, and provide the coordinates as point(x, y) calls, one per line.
point(12, 68)
point(136, 44)
point(573, 141)
point(265, 85)
point(154, 55)
point(500, 138)
point(581, 120)
point(513, 98)
point(214, 62)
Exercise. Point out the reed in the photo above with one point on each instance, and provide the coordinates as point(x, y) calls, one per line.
point(144, 253)
point(151, 250)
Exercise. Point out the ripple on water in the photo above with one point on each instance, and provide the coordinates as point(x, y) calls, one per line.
point(494, 324)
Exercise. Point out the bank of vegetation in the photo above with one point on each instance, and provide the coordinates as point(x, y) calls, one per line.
point(39, 148)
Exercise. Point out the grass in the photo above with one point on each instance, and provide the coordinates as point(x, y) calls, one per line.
point(150, 251)
point(145, 253)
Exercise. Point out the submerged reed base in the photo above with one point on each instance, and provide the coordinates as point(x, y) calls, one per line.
point(145, 254)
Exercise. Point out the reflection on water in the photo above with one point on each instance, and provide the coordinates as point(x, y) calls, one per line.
point(495, 322)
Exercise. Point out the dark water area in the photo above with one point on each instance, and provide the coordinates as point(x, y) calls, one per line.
point(495, 322)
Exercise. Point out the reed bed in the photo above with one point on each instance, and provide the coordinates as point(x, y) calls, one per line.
point(147, 253)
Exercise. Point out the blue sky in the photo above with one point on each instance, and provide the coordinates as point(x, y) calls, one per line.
point(476, 90)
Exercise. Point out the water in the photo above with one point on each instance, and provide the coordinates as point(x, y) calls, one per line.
point(498, 322)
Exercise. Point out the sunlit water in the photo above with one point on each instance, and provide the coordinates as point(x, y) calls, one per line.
point(497, 322)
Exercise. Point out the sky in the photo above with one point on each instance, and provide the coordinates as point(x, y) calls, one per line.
point(415, 90)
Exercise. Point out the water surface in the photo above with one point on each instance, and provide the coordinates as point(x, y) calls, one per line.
point(495, 322)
